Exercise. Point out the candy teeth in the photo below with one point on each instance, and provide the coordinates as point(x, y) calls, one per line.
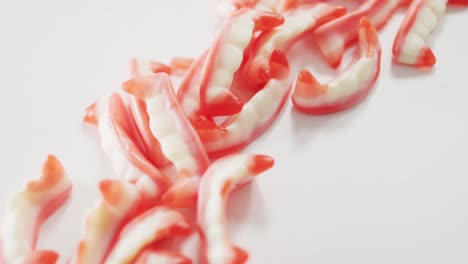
point(103, 223)
point(256, 71)
point(410, 46)
point(152, 256)
point(336, 35)
point(220, 178)
point(152, 226)
point(138, 110)
point(223, 60)
point(170, 126)
point(152, 146)
point(256, 116)
point(118, 142)
point(226, 56)
point(348, 88)
point(128, 224)
point(27, 210)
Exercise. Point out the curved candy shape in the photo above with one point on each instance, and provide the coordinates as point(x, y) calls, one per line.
point(348, 88)
point(219, 180)
point(333, 37)
point(28, 209)
point(152, 226)
point(154, 256)
point(189, 90)
point(178, 139)
point(410, 45)
point(226, 56)
point(138, 110)
point(118, 142)
point(103, 223)
point(257, 71)
point(256, 116)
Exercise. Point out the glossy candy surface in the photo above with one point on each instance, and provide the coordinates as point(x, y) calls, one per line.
point(335, 36)
point(256, 116)
point(28, 209)
point(225, 57)
point(219, 180)
point(150, 227)
point(349, 87)
point(229, 96)
point(410, 46)
point(118, 140)
point(179, 141)
point(103, 223)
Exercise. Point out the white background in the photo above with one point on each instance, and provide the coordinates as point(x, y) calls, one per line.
point(383, 183)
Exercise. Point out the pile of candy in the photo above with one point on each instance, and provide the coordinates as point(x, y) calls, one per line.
point(227, 98)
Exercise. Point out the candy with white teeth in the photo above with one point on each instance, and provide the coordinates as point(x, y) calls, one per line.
point(257, 70)
point(256, 116)
point(179, 141)
point(118, 142)
point(152, 147)
point(103, 223)
point(148, 228)
point(225, 57)
point(219, 180)
point(349, 87)
point(410, 46)
point(28, 209)
point(335, 36)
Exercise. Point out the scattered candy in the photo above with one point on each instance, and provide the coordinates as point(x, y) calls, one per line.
point(118, 142)
point(225, 57)
point(179, 140)
point(230, 95)
point(256, 116)
point(258, 68)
